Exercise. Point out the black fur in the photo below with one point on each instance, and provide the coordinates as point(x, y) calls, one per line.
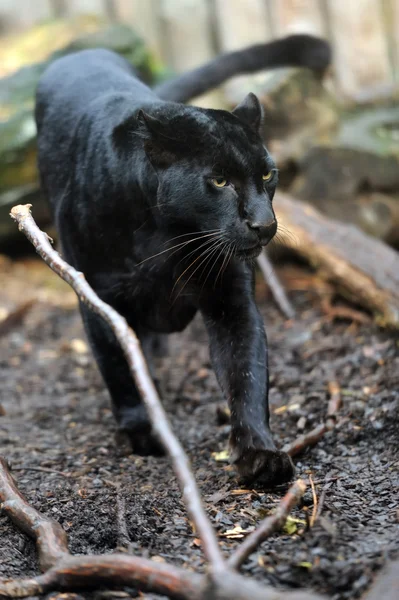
point(299, 50)
point(133, 182)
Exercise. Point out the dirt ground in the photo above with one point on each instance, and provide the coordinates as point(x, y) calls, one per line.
point(57, 432)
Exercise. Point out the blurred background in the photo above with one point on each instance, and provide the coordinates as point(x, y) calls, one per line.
point(335, 140)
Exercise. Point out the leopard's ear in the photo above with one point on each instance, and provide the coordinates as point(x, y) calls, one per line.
point(250, 111)
point(156, 128)
point(160, 141)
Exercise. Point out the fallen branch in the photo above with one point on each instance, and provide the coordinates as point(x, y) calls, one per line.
point(335, 401)
point(276, 288)
point(51, 539)
point(139, 370)
point(68, 573)
point(344, 312)
point(268, 526)
point(362, 268)
point(43, 470)
point(312, 437)
point(306, 440)
point(315, 503)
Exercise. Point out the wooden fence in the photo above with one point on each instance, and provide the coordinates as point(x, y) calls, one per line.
point(185, 33)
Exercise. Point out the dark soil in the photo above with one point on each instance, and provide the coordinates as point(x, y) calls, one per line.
point(56, 420)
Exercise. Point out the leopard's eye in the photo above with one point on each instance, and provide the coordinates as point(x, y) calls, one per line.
point(267, 176)
point(219, 182)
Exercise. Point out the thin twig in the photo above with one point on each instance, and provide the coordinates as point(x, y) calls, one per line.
point(139, 370)
point(123, 534)
point(43, 470)
point(277, 290)
point(312, 437)
point(321, 503)
point(306, 440)
point(335, 401)
point(314, 512)
point(269, 525)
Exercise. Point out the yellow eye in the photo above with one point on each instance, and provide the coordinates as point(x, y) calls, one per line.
point(268, 176)
point(219, 182)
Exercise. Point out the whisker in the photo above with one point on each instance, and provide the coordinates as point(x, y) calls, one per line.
point(228, 245)
point(196, 269)
point(204, 256)
point(180, 245)
point(211, 268)
point(215, 242)
point(196, 249)
point(193, 233)
point(284, 231)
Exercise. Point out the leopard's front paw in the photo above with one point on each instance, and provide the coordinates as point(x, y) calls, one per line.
point(259, 461)
point(265, 467)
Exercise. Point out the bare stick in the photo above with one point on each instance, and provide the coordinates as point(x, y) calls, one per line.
point(43, 470)
point(51, 539)
point(312, 437)
point(335, 399)
point(314, 512)
point(275, 286)
point(308, 439)
point(139, 370)
point(123, 534)
point(268, 525)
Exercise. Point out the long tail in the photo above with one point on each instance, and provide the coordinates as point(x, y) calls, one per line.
point(295, 50)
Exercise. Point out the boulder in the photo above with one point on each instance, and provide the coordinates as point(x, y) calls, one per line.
point(354, 176)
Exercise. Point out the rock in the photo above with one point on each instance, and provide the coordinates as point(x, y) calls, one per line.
point(355, 176)
point(18, 172)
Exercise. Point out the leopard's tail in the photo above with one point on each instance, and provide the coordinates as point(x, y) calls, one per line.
point(295, 50)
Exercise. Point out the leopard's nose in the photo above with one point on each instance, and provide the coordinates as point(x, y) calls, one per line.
point(265, 231)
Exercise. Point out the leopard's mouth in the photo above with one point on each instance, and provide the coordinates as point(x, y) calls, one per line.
point(249, 253)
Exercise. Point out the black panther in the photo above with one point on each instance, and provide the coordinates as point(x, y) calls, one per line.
point(164, 208)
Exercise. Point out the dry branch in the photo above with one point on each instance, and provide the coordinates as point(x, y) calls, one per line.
point(312, 437)
point(277, 290)
point(51, 539)
point(139, 370)
point(306, 440)
point(361, 267)
point(68, 573)
point(335, 401)
point(269, 525)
